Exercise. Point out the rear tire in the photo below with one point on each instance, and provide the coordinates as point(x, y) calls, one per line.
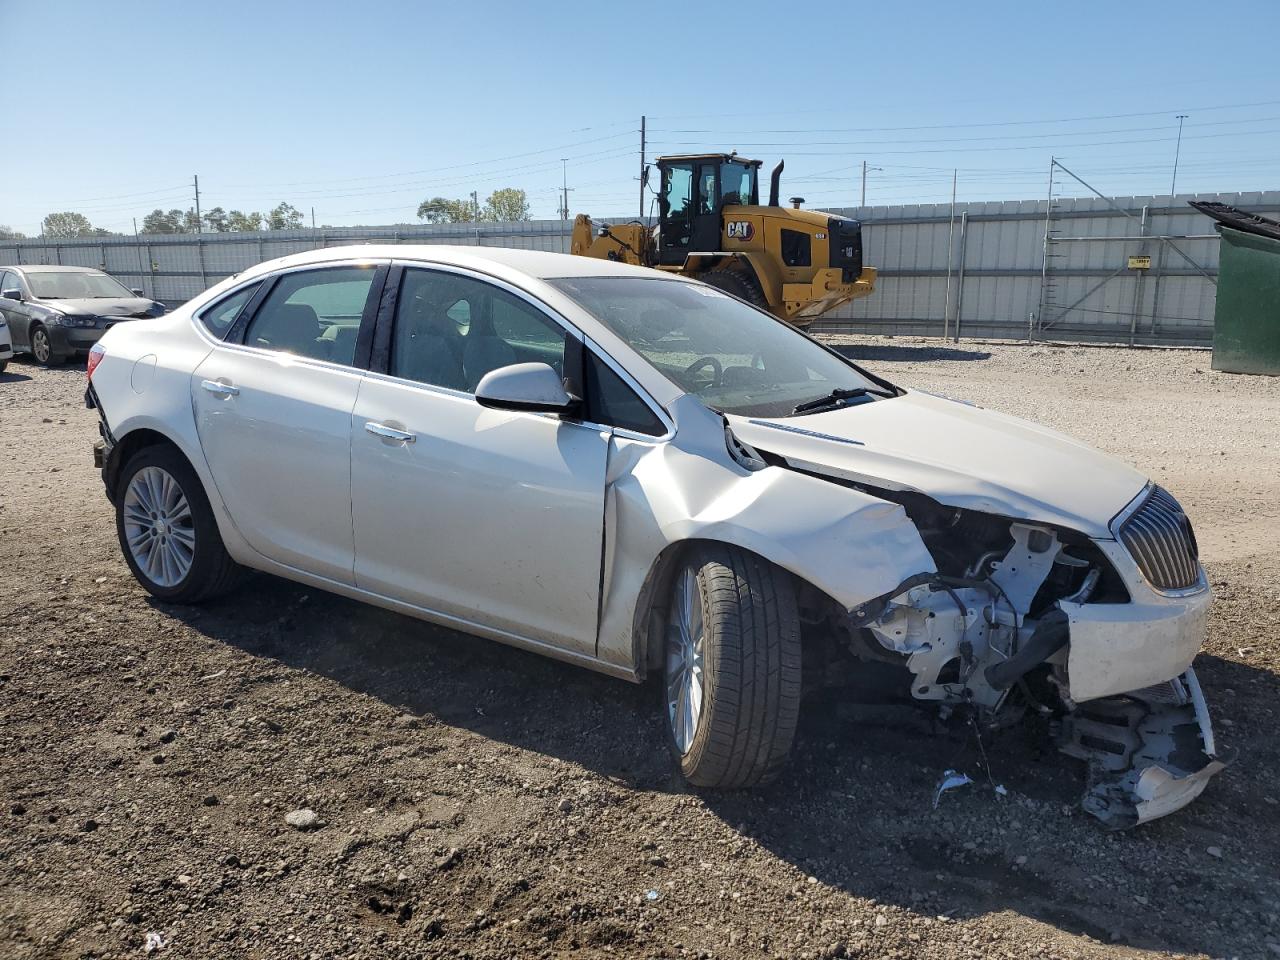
point(167, 531)
point(736, 282)
point(731, 678)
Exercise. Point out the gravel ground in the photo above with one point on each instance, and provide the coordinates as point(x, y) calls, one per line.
point(474, 801)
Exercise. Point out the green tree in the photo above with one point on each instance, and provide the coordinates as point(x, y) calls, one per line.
point(239, 222)
point(8, 233)
point(67, 224)
point(284, 217)
point(158, 221)
point(215, 218)
point(509, 203)
point(443, 210)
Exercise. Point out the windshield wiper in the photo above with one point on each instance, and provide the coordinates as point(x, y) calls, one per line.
point(833, 399)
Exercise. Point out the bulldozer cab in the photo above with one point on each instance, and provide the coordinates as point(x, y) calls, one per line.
point(694, 190)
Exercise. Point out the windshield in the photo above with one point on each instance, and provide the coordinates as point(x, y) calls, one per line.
point(52, 285)
point(734, 357)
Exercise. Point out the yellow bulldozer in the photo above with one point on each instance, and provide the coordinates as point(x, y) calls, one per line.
point(797, 264)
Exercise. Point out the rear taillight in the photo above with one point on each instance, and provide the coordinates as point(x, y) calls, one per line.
point(96, 353)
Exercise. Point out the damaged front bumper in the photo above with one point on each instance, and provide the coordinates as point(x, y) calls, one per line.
point(1150, 752)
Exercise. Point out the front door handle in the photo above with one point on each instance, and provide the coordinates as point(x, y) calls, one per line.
point(389, 433)
point(220, 388)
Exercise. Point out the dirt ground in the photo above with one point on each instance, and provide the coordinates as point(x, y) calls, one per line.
point(475, 801)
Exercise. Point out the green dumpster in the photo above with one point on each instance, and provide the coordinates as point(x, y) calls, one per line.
point(1246, 324)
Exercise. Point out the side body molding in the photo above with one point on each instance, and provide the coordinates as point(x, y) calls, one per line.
point(850, 545)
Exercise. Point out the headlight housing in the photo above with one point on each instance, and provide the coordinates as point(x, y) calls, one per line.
point(68, 320)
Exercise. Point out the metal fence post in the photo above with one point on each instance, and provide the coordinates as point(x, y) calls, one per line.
point(1137, 281)
point(964, 237)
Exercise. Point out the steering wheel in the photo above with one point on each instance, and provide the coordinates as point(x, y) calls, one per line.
point(700, 363)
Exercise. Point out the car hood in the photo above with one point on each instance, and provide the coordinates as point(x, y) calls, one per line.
point(958, 454)
point(103, 307)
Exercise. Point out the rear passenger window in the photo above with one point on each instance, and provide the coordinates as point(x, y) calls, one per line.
point(313, 313)
point(612, 403)
point(450, 330)
point(219, 318)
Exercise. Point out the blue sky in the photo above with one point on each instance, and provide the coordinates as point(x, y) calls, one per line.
point(362, 110)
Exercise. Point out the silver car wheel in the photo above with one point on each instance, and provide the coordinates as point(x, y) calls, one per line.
point(158, 526)
point(686, 643)
point(40, 345)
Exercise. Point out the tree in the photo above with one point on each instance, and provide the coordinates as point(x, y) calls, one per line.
point(442, 210)
point(509, 203)
point(284, 217)
point(157, 221)
point(215, 219)
point(243, 222)
point(190, 222)
point(8, 233)
point(67, 224)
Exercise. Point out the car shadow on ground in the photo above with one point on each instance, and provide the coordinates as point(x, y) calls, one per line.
point(886, 353)
point(853, 809)
point(11, 375)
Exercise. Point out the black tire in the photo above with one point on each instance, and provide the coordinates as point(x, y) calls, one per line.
point(738, 283)
point(212, 570)
point(751, 669)
point(50, 358)
point(3, 365)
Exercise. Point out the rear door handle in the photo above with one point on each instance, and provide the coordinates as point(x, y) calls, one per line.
point(220, 388)
point(389, 433)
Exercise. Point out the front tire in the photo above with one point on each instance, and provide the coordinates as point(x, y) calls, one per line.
point(731, 674)
point(167, 531)
point(42, 348)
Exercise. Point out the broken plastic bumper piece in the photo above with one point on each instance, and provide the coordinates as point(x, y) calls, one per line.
point(1150, 752)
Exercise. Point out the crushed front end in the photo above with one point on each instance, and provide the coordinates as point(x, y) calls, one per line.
point(1098, 634)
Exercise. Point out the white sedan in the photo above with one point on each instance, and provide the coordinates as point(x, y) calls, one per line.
point(641, 474)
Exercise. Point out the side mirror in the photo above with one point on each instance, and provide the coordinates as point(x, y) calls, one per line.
point(534, 387)
point(11, 294)
point(137, 291)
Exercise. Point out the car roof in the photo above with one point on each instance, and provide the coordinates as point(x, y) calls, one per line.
point(48, 268)
point(541, 264)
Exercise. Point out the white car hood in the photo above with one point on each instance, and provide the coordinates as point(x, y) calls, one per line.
point(958, 454)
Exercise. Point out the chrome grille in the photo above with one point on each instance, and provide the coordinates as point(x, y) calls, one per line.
point(1158, 536)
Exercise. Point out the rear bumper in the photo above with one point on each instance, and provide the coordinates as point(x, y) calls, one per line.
point(805, 302)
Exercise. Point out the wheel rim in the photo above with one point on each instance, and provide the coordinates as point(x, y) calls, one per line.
point(684, 674)
point(158, 526)
point(40, 346)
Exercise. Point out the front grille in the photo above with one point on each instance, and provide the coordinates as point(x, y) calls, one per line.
point(1159, 537)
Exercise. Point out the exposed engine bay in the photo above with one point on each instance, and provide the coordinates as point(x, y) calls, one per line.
point(991, 634)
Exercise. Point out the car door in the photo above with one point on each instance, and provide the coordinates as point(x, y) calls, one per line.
point(15, 311)
point(491, 517)
point(273, 403)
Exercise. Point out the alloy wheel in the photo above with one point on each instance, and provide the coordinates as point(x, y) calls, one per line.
point(158, 526)
point(686, 643)
point(40, 345)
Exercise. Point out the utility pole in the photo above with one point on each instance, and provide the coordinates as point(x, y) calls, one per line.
point(475, 205)
point(195, 179)
point(564, 187)
point(642, 120)
point(1176, 151)
point(313, 218)
point(865, 168)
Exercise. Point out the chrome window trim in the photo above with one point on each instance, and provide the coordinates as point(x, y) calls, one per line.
point(193, 316)
point(570, 329)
